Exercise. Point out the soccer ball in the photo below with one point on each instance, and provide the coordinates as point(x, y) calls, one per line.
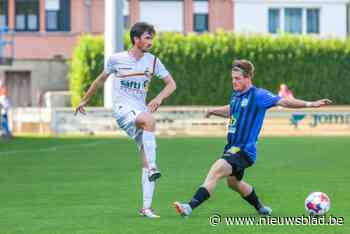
point(317, 203)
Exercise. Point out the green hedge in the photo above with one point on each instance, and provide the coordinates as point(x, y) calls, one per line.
point(86, 64)
point(200, 64)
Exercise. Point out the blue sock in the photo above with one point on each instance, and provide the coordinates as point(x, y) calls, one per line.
point(253, 200)
point(201, 195)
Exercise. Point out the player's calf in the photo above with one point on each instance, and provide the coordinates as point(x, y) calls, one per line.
point(148, 144)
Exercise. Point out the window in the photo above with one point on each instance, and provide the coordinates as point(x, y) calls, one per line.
point(169, 15)
point(57, 15)
point(51, 20)
point(126, 15)
point(200, 22)
point(3, 13)
point(313, 21)
point(293, 20)
point(126, 21)
point(274, 20)
point(27, 15)
point(200, 15)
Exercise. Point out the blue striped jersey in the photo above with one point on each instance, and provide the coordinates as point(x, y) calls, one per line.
point(247, 113)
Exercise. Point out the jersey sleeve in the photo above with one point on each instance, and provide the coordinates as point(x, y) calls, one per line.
point(160, 69)
point(109, 66)
point(266, 99)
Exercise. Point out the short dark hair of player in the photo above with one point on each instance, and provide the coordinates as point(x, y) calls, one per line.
point(245, 66)
point(140, 28)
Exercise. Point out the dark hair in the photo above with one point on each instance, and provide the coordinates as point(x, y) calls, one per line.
point(139, 28)
point(245, 66)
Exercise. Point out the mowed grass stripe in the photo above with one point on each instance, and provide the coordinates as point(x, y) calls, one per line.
point(84, 188)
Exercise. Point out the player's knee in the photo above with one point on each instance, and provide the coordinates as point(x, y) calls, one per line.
point(150, 125)
point(220, 169)
point(233, 183)
point(146, 121)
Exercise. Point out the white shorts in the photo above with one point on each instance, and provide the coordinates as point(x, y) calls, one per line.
point(126, 120)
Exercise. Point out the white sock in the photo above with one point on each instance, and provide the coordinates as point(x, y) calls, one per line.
point(147, 189)
point(149, 147)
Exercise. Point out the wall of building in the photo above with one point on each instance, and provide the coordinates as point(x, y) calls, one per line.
point(45, 45)
point(176, 15)
point(43, 54)
point(221, 15)
point(97, 16)
point(165, 15)
point(45, 75)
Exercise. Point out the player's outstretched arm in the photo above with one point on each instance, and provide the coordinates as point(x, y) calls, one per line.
point(170, 86)
point(92, 89)
point(223, 111)
point(296, 103)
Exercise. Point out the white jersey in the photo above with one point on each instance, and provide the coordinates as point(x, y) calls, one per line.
point(131, 78)
point(4, 103)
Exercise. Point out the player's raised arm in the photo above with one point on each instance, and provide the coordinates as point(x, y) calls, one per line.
point(223, 111)
point(91, 91)
point(297, 103)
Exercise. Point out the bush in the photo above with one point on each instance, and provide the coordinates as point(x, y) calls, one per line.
point(86, 64)
point(201, 65)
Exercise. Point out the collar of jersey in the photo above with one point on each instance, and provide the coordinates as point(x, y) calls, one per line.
point(133, 58)
point(239, 94)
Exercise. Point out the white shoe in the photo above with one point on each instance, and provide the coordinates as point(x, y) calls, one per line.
point(183, 209)
point(148, 212)
point(265, 210)
point(154, 174)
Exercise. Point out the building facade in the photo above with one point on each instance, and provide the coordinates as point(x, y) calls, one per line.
point(43, 33)
point(309, 17)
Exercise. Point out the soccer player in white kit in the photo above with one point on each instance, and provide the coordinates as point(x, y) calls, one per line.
point(131, 72)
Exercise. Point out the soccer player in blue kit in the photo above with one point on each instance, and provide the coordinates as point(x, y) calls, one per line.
point(247, 108)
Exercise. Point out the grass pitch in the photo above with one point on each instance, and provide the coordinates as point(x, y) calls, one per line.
point(92, 185)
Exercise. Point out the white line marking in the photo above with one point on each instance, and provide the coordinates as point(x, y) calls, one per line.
point(54, 148)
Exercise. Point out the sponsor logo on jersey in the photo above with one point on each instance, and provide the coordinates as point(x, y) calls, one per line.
point(233, 150)
point(232, 124)
point(233, 120)
point(135, 85)
point(244, 102)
